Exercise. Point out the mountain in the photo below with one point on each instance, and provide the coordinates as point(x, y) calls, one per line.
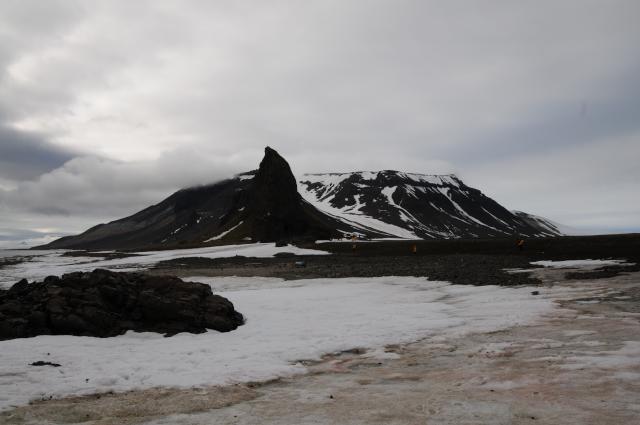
point(553, 227)
point(270, 204)
point(407, 205)
point(262, 205)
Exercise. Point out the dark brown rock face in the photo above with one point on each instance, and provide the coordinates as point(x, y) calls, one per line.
point(104, 303)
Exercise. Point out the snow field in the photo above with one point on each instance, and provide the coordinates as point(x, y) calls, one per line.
point(580, 263)
point(48, 263)
point(286, 321)
point(353, 217)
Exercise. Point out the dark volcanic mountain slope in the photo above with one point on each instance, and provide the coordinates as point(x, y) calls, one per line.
point(414, 205)
point(263, 205)
point(187, 215)
point(545, 224)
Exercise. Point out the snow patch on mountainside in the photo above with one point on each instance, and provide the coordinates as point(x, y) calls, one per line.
point(223, 234)
point(447, 192)
point(424, 205)
point(550, 225)
point(351, 217)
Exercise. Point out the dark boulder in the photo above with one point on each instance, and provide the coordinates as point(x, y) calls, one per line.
point(104, 303)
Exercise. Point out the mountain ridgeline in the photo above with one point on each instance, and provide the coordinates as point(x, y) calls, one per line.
point(412, 205)
point(269, 204)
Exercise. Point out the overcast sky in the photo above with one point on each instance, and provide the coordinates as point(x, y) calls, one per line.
point(108, 106)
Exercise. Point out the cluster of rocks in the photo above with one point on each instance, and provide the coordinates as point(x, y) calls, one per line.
point(104, 303)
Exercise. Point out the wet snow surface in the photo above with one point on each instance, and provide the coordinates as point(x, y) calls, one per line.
point(287, 321)
point(580, 263)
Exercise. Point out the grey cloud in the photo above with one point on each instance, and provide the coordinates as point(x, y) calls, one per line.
point(590, 186)
point(522, 97)
point(93, 186)
point(25, 238)
point(24, 155)
point(580, 120)
point(20, 235)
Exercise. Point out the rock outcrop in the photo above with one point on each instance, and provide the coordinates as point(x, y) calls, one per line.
point(104, 303)
point(276, 211)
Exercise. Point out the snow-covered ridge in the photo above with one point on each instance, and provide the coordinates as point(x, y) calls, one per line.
point(335, 178)
point(412, 205)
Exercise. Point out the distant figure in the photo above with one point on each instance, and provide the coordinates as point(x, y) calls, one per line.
point(354, 238)
point(414, 248)
point(520, 244)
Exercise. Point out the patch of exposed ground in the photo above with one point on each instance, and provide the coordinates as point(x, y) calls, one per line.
point(581, 364)
point(131, 407)
point(463, 269)
point(603, 272)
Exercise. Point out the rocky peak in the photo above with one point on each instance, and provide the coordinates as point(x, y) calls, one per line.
point(277, 210)
point(274, 183)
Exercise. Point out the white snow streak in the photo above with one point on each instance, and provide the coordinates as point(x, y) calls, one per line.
point(322, 197)
point(446, 193)
point(580, 263)
point(223, 234)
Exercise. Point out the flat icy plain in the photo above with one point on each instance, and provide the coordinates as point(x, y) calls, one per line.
point(288, 322)
point(40, 264)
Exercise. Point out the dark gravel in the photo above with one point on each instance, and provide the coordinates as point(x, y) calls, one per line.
point(464, 269)
point(468, 262)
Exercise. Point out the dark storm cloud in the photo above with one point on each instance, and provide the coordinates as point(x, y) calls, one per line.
point(25, 155)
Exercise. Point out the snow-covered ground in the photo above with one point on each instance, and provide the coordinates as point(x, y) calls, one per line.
point(45, 263)
point(350, 214)
point(287, 321)
point(579, 263)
